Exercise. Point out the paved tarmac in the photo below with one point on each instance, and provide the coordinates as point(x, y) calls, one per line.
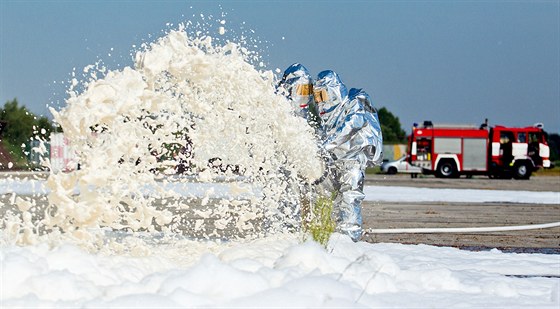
point(536, 183)
point(384, 215)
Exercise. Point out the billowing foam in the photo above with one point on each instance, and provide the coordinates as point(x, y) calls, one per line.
point(191, 105)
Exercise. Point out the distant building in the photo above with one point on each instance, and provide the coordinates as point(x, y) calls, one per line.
point(393, 152)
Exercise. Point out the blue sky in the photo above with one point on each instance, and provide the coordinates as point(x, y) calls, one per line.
point(445, 61)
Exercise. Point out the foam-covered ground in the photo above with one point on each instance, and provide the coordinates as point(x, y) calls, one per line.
point(280, 271)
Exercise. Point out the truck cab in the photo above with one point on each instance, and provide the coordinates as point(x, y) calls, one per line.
point(518, 151)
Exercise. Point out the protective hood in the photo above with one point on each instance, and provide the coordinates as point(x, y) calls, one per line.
point(329, 91)
point(297, 85)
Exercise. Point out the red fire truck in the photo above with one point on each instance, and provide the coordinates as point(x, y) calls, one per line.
point(499, 152)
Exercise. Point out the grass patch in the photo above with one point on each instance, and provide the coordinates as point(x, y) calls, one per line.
point(555, 171)
point(373, 170)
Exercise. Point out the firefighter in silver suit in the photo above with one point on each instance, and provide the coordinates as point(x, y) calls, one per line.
point(297, 86)
point(351, 135)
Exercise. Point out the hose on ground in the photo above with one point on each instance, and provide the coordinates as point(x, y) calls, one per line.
point(463, 229)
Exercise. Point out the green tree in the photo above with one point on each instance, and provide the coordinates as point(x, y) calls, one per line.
point(391, 127)
point(20, 125)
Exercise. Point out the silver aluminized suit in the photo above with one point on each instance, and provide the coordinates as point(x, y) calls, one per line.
point(352, 136)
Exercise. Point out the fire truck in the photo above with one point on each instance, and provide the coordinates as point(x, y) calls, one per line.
point(449, 151)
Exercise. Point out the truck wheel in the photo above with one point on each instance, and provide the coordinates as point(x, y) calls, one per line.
point(392, 170)
point(522, 171)
point(446, 169)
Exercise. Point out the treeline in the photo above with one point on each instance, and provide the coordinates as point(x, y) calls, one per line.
point(391, 128)
point(18, 126)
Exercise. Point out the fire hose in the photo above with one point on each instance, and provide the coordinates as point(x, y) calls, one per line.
point(463, 229)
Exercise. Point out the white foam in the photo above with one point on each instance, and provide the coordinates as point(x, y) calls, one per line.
point(130, 129)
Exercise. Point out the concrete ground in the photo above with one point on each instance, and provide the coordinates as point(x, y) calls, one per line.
point(383, 215)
